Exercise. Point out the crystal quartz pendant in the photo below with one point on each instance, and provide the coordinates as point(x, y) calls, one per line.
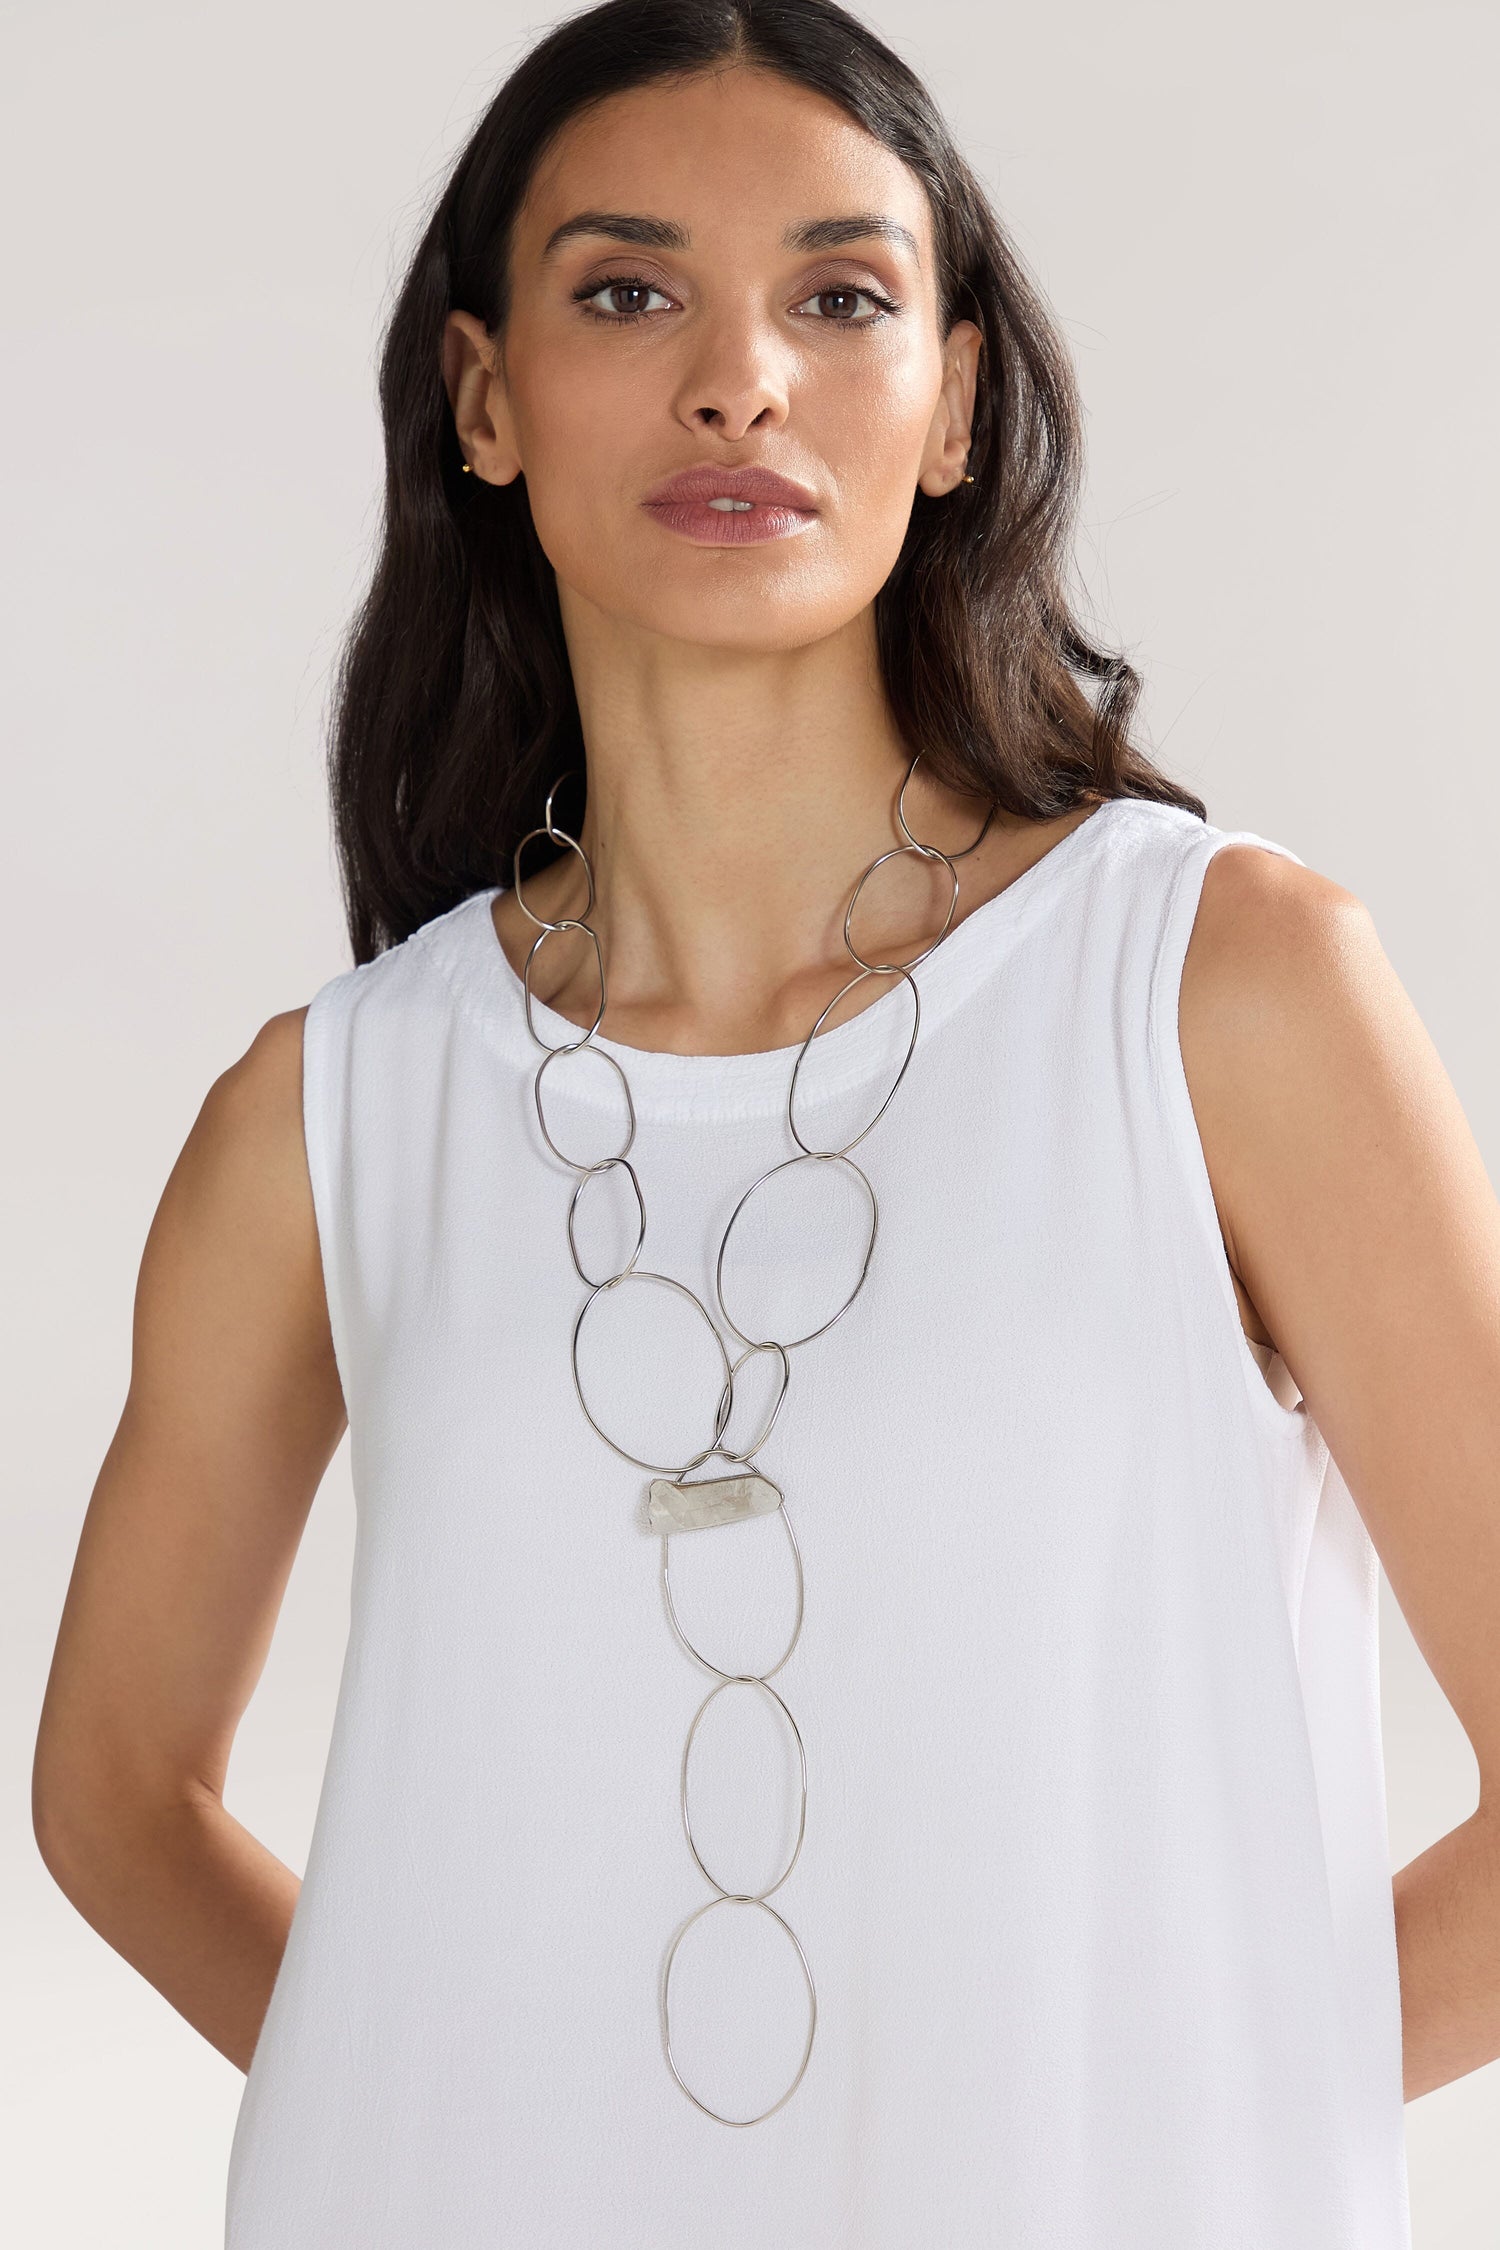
point(675, 1504)
point(697, 1507)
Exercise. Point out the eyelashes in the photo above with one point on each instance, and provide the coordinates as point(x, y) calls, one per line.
point(593, 289)
point(583, 297)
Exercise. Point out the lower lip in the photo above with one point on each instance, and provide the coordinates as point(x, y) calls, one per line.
point(730, 527)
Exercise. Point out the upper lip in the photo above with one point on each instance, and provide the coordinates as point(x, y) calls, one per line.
point(749, 483)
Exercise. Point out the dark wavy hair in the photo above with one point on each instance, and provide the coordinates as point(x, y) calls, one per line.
point(453, 703)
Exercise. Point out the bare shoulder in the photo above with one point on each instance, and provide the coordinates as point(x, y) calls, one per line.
point(1284, 984)
point(1288, 1003)
point(1270, 937)
point(246, 1144)
point(1306, 1063)
point(234, 1244)
point(256, 1102)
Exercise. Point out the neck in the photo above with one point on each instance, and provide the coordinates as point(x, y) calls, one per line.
point(734, 799)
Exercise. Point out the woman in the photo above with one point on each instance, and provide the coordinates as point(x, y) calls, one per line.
point(1027, 1884)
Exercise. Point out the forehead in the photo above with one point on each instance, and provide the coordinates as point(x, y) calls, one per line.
point(732, 156)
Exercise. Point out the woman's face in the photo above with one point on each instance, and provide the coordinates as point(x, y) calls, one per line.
point(694, 319)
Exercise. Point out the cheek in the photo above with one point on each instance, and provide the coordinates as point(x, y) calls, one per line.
point(872, 430)
point(575, 462)
point(867, 439)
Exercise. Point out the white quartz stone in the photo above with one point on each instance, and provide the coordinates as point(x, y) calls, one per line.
point(714, 1500)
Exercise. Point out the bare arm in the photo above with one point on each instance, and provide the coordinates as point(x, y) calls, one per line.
point(232, 1415)
point(1360, 1220)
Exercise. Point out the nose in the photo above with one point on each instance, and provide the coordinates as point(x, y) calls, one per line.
point(737, 378)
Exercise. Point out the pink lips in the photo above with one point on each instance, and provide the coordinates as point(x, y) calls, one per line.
point(778, 507)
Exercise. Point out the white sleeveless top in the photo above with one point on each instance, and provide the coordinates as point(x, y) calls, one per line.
point(1094, 1885)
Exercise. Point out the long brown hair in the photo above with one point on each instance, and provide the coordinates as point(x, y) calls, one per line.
point(453, 705)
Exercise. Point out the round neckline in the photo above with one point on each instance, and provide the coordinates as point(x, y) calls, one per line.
point(662, 1081)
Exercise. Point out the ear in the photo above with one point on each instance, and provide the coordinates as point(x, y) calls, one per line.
point(474, 379)
point(948, 439)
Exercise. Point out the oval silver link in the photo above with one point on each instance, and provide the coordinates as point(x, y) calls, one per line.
point(606, 1164)
point(563, 1046)
point(560, 835)
point(640, 1273)
point(750, 1351)
point(557, 837)
point(916, 1018)
point(765, 1907)
point(911, 839)
point(744, 1679)
point(901, 851)
point(580, 1047)
point(678, 1471)
point(807, 1157)
point(691, 1646)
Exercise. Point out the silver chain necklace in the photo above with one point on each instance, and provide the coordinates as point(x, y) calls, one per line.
point(673, 1504)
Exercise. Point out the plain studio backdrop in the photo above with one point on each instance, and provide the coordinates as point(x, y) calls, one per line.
point(1270, 237)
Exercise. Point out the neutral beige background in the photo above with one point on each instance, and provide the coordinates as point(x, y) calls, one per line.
point(1271, 236)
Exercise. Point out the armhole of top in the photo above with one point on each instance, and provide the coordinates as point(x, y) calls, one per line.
point(1178, 921)
point(320, 1121)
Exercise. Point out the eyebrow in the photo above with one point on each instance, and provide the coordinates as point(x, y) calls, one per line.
point(665, 234)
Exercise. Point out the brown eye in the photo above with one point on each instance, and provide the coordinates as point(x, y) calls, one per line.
point(845, 294)
point(617, 286)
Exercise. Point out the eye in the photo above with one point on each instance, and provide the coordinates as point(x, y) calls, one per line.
point(619, 284)
point(847, 292)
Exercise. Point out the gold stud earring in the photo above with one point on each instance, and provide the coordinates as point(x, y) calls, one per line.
point(968, 480)
point(467, 469)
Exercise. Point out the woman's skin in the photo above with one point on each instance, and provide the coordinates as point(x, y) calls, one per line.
point(742, 771)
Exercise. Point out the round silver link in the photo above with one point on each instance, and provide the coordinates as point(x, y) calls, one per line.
point(750, 1352)
point(807, 1157)
point(731, 1898)
point(679, 1471)
point(557, 837)
point(691, 1645)
point(639, 1273)
point(901, 851)
point(560, 835)
point(911, 839)
point(606, 1164)
point(745, 1679)
point(601, 1054)
point(916, 1018)
point(563, 1046)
